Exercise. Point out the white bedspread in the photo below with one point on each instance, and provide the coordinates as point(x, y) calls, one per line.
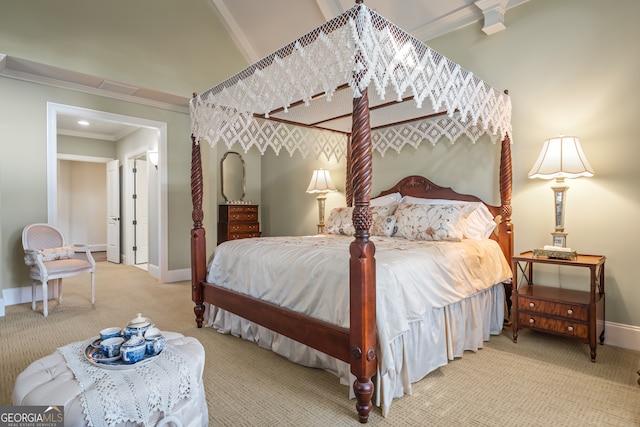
point(310, 275)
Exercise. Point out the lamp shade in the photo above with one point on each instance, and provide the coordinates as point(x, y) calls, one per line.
point(321, 182)
point(561, 157)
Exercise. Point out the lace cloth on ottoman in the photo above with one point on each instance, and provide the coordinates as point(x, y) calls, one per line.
point(134, 394)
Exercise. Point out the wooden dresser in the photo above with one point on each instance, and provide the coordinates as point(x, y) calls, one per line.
point(565, 312)
point(237, 222)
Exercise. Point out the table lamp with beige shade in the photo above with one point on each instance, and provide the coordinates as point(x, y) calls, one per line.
point(561, 158)
point(321, 183)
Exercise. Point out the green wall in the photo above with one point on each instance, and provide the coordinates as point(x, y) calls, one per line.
point(571, 67)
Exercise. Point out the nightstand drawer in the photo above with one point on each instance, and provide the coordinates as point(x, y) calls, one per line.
point(565, 327)
point(568, 311)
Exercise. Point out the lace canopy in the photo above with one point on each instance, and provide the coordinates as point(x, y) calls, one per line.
point(300, 97)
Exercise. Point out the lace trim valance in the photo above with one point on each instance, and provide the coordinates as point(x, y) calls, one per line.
point(311, 69)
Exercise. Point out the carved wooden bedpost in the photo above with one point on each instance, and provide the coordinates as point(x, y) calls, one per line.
point(506, 228)
point(198, 241)
point(505, 196)
point(348, 188)
point(362, 264)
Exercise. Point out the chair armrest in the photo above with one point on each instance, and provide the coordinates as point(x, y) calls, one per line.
point(84, 248)
point(33, 257)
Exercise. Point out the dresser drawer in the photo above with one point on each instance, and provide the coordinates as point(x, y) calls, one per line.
point(243, 216)
point(237, 228)
point(565, 327)
point(559, 309)
point(234, 209)
point(236, 236)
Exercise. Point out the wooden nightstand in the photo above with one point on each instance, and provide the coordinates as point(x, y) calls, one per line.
point(237, 222)
point(564, 312)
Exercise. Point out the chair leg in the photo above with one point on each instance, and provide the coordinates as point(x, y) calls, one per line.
point(33, 294)
point(93, 295)
point(59, 282)
point(45, 298)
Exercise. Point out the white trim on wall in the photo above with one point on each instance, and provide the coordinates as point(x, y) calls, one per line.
point(53, 109)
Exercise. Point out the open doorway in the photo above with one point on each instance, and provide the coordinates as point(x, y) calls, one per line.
point(158, 250)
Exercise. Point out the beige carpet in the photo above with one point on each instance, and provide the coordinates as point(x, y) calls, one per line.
point(542, 380)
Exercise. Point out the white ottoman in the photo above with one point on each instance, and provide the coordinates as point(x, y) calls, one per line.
point(49, 381)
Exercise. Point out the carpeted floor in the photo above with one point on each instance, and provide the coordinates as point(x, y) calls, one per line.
point(543, 380)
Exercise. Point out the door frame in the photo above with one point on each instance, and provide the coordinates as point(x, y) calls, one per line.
point(53, 109)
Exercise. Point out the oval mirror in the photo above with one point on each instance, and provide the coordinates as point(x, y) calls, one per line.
point(232, 177)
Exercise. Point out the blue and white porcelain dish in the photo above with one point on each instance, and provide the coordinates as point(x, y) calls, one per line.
point(111, 347)
point(111, 332)
point(154, 340)
point(137, 326)
point(134, 349)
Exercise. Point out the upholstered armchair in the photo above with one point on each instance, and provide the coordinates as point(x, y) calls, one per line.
point(49, 259)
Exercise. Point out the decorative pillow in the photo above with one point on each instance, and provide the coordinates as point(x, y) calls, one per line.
point(50, 254)
point(53, 254)
point(478, 225)
point(431, 222)
point(388, 199)
point(384, 226)
point(340, 222)
point(383, 211)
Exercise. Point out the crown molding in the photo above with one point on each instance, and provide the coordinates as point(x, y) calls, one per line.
point(35, 72)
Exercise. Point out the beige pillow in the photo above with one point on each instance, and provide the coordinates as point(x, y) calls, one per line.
point(51, 254)
point(54, 254)
point(384, 226)
point(340, 222)
point(340, 219)
point(431, 222)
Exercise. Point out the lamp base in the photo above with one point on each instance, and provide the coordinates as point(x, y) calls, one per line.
point(321, 199)
point(559, 239)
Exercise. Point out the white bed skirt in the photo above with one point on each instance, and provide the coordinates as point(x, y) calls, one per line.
point(442, 335)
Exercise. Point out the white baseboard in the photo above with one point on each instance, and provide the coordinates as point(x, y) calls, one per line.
point(22, 295)
point(621, 335)
point(2, 307)
point(178, 275)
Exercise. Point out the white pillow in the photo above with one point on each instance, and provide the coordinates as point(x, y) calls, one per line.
point(393, 198)
point(478, 225)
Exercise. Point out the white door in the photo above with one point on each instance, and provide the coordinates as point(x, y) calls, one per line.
point(113, 211)
point(141, 212)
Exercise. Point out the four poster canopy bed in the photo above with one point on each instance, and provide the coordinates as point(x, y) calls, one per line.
point(383, 294)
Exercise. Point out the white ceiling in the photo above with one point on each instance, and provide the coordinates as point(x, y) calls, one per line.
point(262, 27)
point(259, 28)
point(68, 124)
